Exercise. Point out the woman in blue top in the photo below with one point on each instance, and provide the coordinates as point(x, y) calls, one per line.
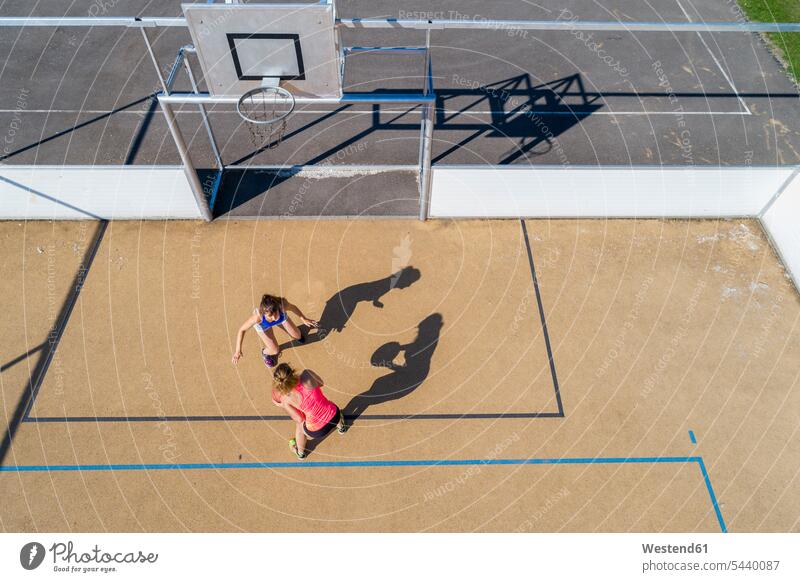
point(271, 313)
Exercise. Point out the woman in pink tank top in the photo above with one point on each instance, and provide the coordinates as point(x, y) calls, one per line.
point(301, 396)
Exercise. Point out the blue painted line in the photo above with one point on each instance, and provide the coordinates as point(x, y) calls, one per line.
point(713, 497)
point(692, 437)
point(322, 464)
point(410, 463)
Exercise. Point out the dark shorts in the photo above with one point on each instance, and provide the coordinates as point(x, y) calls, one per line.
point(332, 423)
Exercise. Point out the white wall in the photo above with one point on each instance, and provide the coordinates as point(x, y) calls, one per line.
point(702, 192)
point(110, 192)
point(782, 223)
point(769, 193)
point(144, 192)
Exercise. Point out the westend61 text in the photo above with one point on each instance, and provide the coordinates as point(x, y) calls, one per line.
point(670, 549)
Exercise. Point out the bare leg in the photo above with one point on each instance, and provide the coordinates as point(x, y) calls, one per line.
point(291, 329)
point(271, 347)
point(300, 437)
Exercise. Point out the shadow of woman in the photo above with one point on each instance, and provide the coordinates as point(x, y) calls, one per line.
point(339, 308)
point(405, 378)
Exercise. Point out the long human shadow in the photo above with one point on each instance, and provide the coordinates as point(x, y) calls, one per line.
point(339, 308)
point(404, 378)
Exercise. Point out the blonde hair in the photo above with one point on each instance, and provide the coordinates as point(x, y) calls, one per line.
point(284, 379)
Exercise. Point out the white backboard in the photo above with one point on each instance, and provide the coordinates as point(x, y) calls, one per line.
point(239, 45)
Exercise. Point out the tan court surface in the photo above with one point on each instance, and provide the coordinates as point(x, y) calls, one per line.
point(657, 328)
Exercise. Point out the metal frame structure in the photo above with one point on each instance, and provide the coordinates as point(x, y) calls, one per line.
point(600, 25)
point(205, 199)
point(426, 99)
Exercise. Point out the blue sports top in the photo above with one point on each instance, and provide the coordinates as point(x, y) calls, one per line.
point(265, 325)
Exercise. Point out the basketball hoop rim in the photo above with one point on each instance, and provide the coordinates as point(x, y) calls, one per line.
point(279, 90)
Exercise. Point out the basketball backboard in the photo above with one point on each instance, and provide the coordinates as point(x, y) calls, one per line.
point(242, 45)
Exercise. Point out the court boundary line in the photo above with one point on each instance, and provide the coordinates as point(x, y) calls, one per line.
point(57, 332)
point(716, 61)
point(398, 463)
point(545, 332)
point(49, 347)
point(270, 417)
point(558, 413)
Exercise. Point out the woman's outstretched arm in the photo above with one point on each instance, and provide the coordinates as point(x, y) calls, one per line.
point(237, 353)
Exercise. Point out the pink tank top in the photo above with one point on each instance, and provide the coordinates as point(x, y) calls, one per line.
point(317, 408)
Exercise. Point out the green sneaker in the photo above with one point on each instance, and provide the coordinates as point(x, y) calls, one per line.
point(295, 450)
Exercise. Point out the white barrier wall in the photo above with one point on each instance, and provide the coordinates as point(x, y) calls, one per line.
point(110, 192)
point(700, 192)
point(782, 223)
point(146, 192)
point(771, 194)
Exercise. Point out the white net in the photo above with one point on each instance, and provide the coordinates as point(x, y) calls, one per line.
point(265, 111)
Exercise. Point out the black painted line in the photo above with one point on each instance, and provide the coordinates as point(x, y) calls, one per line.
point(550, 358)
point(25, 404)
point(236, 418)
point(254, 418)
point(55, 335)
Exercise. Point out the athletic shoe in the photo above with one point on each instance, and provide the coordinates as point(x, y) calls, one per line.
point(295, 450)
point(270, 361)
point(342, 428)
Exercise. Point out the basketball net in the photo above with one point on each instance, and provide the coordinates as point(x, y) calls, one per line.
point(265, 111)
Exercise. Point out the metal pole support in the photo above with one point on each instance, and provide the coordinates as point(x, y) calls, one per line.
point(426, 152)
point(426, 135)
point(188, 166)
point(204, 115)
point(155, 61)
